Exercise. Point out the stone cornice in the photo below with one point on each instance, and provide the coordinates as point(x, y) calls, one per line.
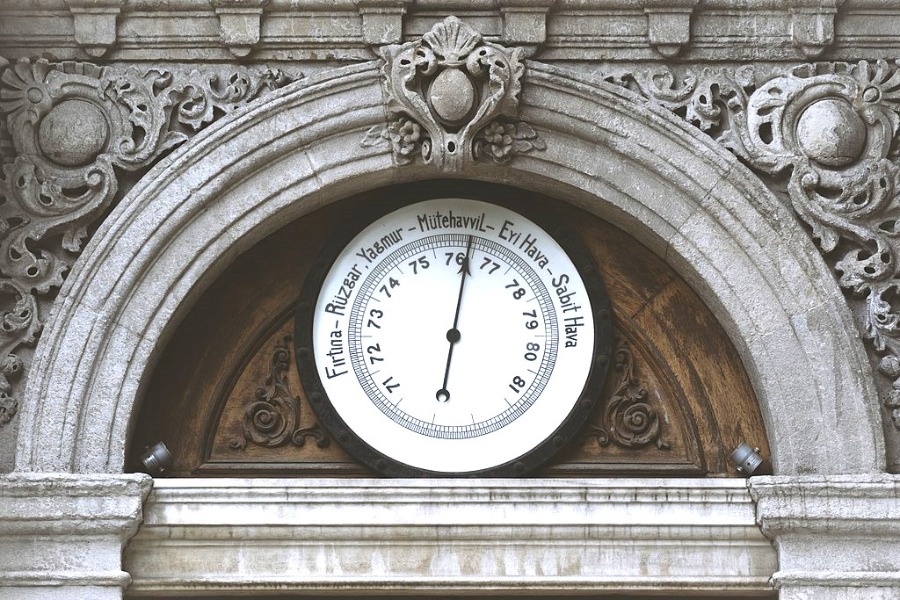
point(847, 505)
point(729, 30)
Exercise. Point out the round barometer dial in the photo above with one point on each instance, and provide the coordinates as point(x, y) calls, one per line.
point(452, 337)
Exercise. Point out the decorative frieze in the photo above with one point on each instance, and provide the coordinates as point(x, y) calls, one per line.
point(826, 134)
point(74, 126)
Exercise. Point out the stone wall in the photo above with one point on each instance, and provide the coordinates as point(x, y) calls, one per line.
point(751, 144)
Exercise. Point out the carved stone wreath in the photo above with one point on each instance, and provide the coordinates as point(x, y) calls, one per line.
point(829, 132)
point(73, 127)
point(454, 98)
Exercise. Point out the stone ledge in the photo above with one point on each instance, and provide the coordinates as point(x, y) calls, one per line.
point(59, 504)
point(381, 536)
point(865, 505)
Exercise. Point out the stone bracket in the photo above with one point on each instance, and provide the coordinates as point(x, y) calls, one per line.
point(812, 25)
point(669, 24)
point(524, 23)
point(95, 23)
point(382, 20)
point(239, 24)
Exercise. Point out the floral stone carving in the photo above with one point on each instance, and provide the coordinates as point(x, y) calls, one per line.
point(454, 98)
point(72, 126)
point(828, 135)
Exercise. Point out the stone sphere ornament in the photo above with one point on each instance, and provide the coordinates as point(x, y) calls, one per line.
point(73, 133)
point(831, 133)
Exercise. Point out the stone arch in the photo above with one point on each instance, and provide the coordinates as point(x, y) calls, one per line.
point(635, 165)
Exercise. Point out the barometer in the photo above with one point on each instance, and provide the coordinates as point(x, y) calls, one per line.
point(454, 337)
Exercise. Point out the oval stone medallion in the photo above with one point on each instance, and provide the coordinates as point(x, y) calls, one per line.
point(452, 95)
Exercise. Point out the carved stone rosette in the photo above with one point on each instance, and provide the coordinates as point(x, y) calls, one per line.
point(454, 98)
point(273, 418)
point(829, 131)
point(72, 125)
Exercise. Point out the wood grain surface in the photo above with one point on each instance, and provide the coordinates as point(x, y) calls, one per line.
point(676, 400)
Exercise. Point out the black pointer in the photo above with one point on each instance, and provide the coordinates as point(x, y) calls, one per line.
point(453, 334)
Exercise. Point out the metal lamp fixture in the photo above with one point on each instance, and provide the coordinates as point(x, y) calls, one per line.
point(156, 459)
point(748, 461)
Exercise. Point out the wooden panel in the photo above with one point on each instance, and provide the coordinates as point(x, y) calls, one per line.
point(676, 401)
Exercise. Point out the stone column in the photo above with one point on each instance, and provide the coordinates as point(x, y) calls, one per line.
point(62, 535)
point(836, 535)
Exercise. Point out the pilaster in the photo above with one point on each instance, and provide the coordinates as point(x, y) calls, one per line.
point(62, 535)
point(836, 536)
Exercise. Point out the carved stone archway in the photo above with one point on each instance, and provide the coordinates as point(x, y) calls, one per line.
point(570, 135)
point(635, 165)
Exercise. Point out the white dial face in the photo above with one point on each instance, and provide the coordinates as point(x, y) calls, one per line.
point(453, 335)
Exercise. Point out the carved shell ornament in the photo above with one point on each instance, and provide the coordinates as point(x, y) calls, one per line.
point(453, 98)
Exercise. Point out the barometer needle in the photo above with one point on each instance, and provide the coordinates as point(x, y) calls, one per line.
point(453, 334)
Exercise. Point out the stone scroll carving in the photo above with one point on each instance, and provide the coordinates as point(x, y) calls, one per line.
point(273, 417)
point(74, 128)
point(454, 99)
point(826, 135)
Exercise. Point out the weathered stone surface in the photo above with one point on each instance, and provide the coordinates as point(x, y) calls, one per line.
point(64, 534)
point(851, 520)
point(831, 133)
point(451, 536)
point(822, 137)
point(120, 281)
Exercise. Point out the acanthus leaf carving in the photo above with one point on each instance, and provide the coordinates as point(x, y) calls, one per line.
point(72, 126)
point(453, 98)
point(827, 133)
point(273, 418)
